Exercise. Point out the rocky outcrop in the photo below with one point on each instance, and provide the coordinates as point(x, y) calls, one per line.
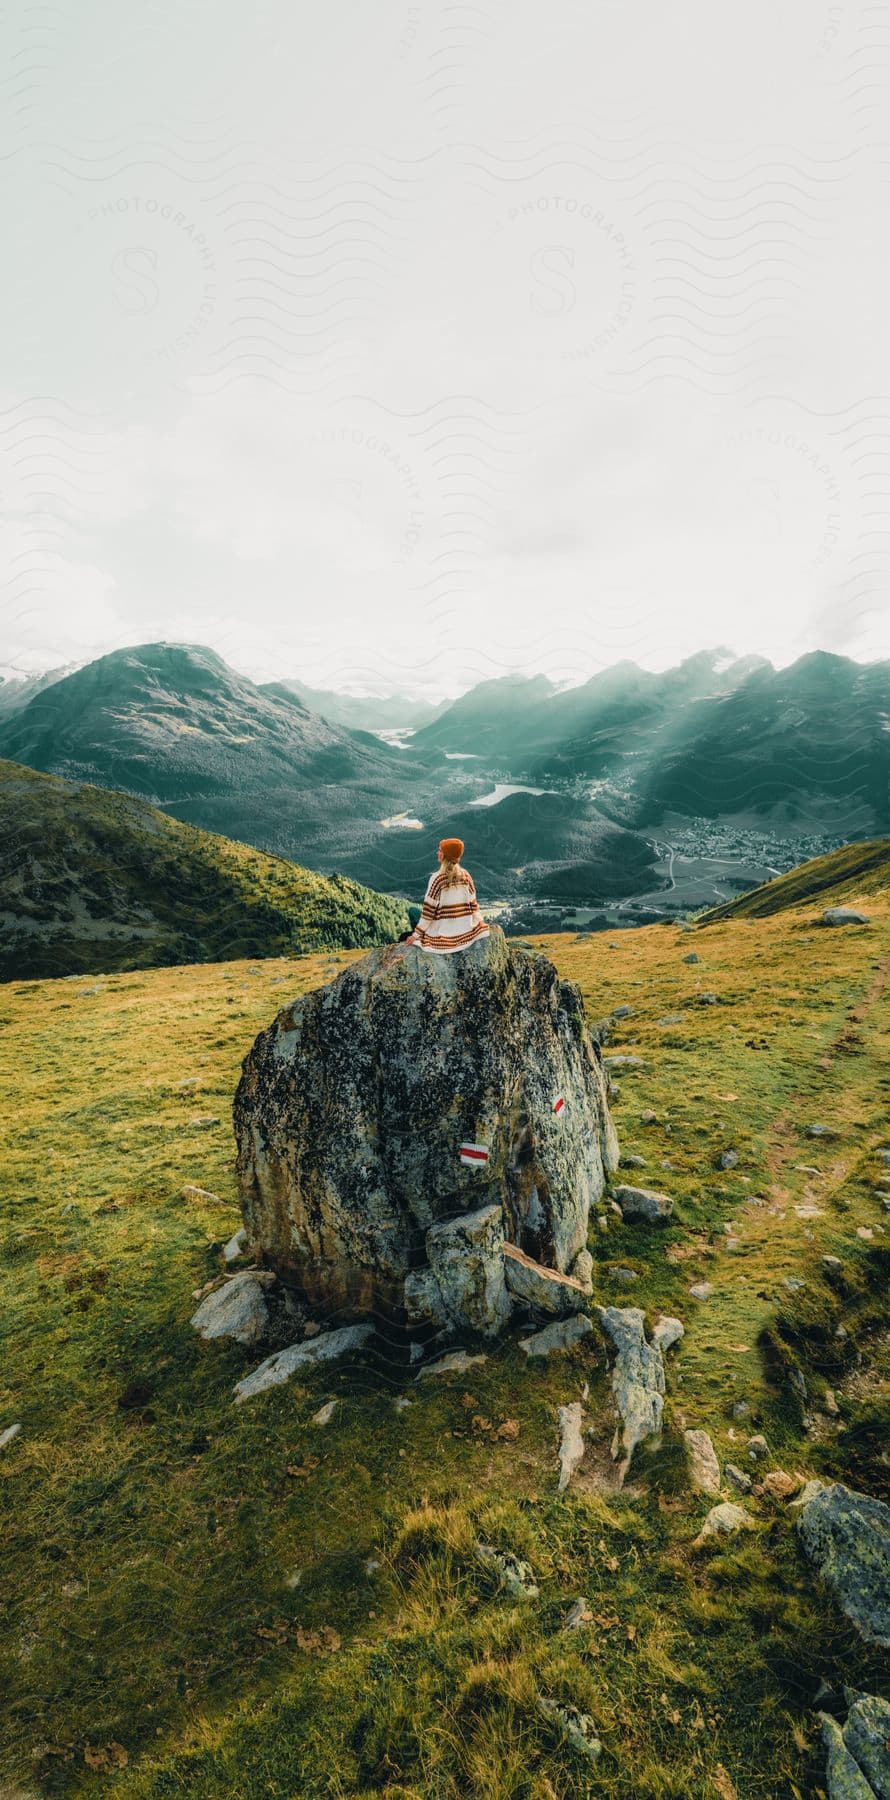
point(846, 1537)
point(382, 1118)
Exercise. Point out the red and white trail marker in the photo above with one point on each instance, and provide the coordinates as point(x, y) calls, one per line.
point(474, 1154)
point(559, 1103)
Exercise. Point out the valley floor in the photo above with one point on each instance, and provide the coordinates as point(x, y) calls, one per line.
point(207, 1600)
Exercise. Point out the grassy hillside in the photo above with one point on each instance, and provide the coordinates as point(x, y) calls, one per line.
point(202, 1600)
point(843, 877)
point(93, 881)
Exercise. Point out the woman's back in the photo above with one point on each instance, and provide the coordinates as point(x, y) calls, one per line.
point(450, 918)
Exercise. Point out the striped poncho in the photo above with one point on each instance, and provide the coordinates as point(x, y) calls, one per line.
point(450, 919)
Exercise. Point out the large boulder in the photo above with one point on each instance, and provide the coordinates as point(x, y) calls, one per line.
point(846, 1537)
point(354, 1106)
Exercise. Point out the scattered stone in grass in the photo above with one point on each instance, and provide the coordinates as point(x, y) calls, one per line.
point(582, 1270)
point(738, 1478)
point(807, 1169)
point(401, 1401)
point(648, 1117)
point(199, 1195)
point(578, 1727)
point(701, 1290)
point(643, 1205)
point(325, 1413)
point(757, 1447)
point(625, 1277)
point(793, 1284)
point(693, 957)
point(832, 1262)
point(571, 1442)
point(563, 1334)
point(72, 1587)
point(844, 1771)
point(637, 1381)
point(781, 1486)
point(841, 1332)
point(831, 1405)
point(704, 1469)
point(454, 1363)
point(867, 1737)
point(623, 1062)
point(819, 1131)
point(844, 915)
point(846, 1536)
point(7, 1436)
point(741, 1409)
point(203, 1121)
point(632, 1162)
point(721, 1521)
point(727, 1159)
point(864, 1231)
point(809, 1212)
point(516, 1575)
point(622, 1012)
point(666, 1332)
point(671, 1019)
point(707, 999)
point(578, 1615)
point(372, 1564)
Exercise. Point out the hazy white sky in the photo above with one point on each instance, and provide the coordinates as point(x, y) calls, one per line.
point(406, 344)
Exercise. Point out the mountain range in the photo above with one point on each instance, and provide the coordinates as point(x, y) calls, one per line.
point(555, 791)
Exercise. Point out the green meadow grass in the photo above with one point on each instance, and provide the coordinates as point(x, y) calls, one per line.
point(191, 1605)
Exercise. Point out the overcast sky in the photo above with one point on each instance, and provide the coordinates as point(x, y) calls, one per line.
point(385, 344)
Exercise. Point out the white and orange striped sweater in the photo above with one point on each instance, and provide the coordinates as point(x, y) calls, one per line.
point(450, 918)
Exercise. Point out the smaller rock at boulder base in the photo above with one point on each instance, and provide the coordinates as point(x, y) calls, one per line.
point(666, 1332)
point(563, 1334)
point(625, 1277)
point(544, 1288)
point(235, 1246)
point(237, 1310)
point(571, 1442)
point(632, 1162)
point(327, 1347)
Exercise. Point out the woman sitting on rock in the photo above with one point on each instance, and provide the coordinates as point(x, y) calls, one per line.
point(450, 918)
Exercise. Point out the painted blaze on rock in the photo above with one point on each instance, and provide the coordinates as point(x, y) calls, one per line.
point(354, 1103)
